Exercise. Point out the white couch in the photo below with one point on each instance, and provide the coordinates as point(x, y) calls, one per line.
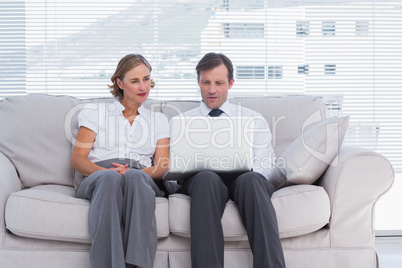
point(325, 224)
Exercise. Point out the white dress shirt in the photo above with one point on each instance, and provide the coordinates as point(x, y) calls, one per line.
point(263, 153)
point(116, 138)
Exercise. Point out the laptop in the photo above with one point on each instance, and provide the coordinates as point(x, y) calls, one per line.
point(219, 144)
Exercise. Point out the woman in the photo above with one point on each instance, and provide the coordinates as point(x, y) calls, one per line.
point(121, 148)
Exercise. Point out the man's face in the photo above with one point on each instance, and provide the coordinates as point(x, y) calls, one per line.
point(214, 85)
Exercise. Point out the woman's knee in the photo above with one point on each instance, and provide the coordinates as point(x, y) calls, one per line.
point(136, 177)
point(108, 177)
point(104, 181)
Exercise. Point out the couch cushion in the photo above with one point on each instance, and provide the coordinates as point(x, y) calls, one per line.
point(32, 136)
point(306, 158)
point(51, 212)
point(300, 209)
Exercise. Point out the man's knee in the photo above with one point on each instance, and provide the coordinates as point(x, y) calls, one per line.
point(253, 182)
point(207, 184)
point(206, 179)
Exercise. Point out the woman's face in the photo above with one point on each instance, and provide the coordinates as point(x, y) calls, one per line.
point(136, 84)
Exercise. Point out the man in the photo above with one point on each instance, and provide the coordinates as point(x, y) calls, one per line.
point(251, 191)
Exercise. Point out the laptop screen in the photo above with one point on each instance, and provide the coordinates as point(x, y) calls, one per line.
point(221, 144)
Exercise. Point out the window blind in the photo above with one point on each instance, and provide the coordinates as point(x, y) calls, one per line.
point(348, 52)
point(12, 49)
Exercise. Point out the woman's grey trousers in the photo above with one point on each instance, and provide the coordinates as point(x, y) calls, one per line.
point(121, 218)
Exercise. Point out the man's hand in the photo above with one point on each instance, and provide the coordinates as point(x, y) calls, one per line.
point(120, 168)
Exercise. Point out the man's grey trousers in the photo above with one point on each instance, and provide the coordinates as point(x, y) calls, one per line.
point(121, 217)
point(251, 192)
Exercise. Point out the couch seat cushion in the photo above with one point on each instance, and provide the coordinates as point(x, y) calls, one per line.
point(300, 209)
point(52, 212)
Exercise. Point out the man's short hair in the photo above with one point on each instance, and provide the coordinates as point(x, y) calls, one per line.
point(212, 60)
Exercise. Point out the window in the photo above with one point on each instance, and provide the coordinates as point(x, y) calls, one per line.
point(303, 69)
point(274, 72)
point(244, 31)
point(330, 69)
point(362, 28)
point(328, 28)
point(302, 28)
point(250, 72)
point(226, 4)
point(12, 51)
point(72, 47)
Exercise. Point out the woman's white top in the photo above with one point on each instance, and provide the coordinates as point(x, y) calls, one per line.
point(116, 138)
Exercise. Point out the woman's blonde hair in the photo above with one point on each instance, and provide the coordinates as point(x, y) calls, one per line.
point(127, 63)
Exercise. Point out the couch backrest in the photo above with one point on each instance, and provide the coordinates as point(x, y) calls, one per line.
point(33, 138)
point(174, 108)
point(36, 131)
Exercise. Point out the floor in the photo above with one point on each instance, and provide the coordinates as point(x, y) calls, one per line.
point(389, 250)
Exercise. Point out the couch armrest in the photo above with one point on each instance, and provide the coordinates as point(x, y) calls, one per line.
point(9, 183)
point(354, 183)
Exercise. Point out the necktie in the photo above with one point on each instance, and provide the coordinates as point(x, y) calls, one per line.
point(215, 112)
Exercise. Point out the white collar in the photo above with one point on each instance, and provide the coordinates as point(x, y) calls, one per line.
point(120, 107)
point(226, 108)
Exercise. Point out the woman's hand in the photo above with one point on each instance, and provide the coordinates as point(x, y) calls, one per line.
point(120, 168)
point(161, 160)
point(83, 145)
